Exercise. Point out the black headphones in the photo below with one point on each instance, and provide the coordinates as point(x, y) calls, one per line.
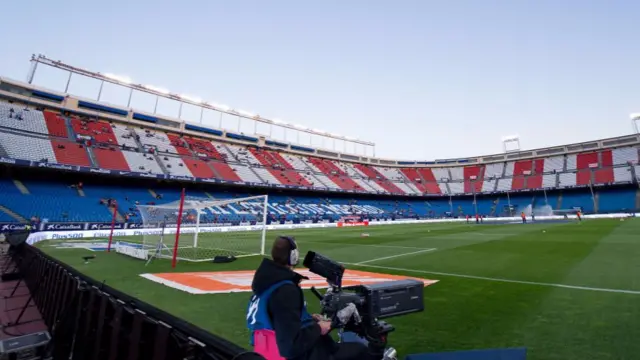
point(294, 255)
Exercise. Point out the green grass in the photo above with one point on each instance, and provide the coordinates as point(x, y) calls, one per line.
point(473, 306)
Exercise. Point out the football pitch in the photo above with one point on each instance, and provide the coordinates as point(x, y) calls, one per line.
point(563, 290)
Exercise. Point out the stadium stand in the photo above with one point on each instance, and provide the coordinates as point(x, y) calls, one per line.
point(50, 137)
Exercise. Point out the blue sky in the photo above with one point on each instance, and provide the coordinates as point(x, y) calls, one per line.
point(422, 79)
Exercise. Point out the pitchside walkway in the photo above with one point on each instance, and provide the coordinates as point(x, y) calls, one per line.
point(18, 315)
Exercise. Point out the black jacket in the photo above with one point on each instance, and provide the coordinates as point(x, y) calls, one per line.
point(285, 306)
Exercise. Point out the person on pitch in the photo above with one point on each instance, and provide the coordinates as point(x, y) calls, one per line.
point(278, 306)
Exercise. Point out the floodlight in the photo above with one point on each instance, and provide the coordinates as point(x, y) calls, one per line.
point(299, 127)
point(510, 137)
point(190, 98)
point(221, 107)
point(277, 121)
point(156, 89)
point(122, 79)
point(245, 113)
point(634, 116)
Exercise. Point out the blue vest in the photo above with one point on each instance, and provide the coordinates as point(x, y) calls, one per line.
point(258, 311)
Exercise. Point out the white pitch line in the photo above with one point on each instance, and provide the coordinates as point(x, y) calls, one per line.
point(365, 245)
point(564, 286)
point(395, 256)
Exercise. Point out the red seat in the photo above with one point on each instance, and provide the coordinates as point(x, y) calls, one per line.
point(416, 179)
point(55, 124)
point(378, 178)
point(198, 168)
point(70, 153)
point(473, 178)
point(111, 158)
point(100, 131)
point(334, 173)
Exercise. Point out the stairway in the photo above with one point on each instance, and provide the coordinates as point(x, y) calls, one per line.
point(13, 214)
point(559, 206)
point(23, 189)
point(494, 207)
point(71, 134)
point(209, 195)
point(92, 157)
point(153, 193)
point(596, 201)
point(80, 192)
point(119, 217)
point(638, 199)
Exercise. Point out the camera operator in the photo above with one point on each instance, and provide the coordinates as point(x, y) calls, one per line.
point(278, 304)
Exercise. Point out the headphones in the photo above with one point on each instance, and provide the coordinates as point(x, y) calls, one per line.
point(294, 254)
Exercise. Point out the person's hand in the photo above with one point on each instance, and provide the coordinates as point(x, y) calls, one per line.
point(325, 327)
point(317, 317)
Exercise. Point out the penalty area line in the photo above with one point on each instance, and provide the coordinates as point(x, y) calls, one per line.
point(395, 256)
point(563, 286)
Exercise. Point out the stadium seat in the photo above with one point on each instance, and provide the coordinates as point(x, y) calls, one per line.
point(142, 162)
point(431, 183)
point(18, 117)
point(100, 131)
point(334, 173)
point(174, 165)
point(25, 147)
point(70, 153)
point(616, 200)
point(110, 158)
point(56, 124)
point(412, 175)
point(566, 179)
point(623, 156)
point(155, 139)
point(199, 168)
point(473, 177)
point(125, 136)
point(378, 178)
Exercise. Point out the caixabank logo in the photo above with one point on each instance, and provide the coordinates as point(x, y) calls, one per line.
point(64, 226)
point(105, 226)
point(12, 227)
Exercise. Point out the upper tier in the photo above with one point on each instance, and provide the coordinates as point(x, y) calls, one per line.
point(131, 148)
point(11, 89)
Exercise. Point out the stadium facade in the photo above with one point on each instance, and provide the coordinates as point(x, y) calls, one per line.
point(66, 159)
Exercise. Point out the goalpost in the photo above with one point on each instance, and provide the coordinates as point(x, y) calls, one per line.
point(199, 229)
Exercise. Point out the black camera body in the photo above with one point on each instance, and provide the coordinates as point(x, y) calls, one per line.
point(372, 302)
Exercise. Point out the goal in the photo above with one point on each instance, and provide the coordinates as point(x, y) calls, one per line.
point(199, 229)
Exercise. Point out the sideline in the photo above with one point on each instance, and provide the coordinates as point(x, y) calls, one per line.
point(563, 286)
point(395, 256)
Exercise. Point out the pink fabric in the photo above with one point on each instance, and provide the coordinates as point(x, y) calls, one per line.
point(264, 343)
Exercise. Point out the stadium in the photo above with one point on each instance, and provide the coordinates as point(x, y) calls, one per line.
point(103, 189)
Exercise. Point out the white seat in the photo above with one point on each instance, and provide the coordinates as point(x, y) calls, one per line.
point(457, 174)
point(141, 162)
point(553, 163)
point(622, 174)
point(567, 179)
point(156, 139)
point(572, 162)
point(504, 184)
point(124, 136)
point(441, 173)
point(624, 155)
point(549, 180)
point(174, 165)
point(494, 170)
point(456, 187)
point(27, 147)
point(489, 185)
point(32, 120)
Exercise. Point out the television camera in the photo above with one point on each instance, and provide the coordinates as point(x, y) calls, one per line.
point(359, 308)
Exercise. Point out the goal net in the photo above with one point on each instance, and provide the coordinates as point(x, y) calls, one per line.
point(199, 229)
